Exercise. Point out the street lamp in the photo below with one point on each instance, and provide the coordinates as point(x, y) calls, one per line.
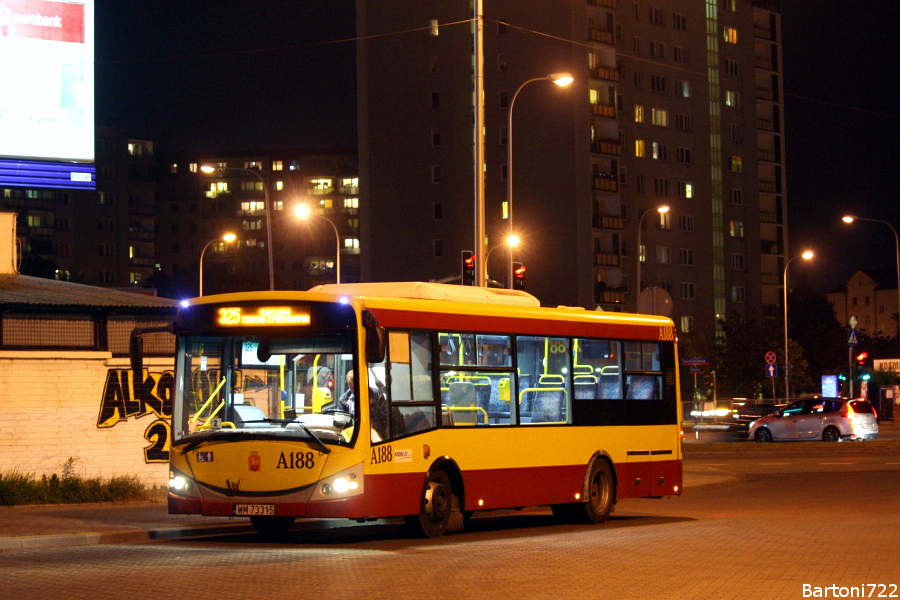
point(663, 209)
point(787, 363)
point(228, 237)
point(209, 169)
point(560, 79)
point(512, 241)
point(303, 212)
point(849, 219)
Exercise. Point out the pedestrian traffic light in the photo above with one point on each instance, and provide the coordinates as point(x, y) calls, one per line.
point(861, 358)
point(468, 267)
point(518, 275)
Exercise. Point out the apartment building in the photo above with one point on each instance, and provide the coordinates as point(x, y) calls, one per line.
point(674, 104)
point(195, 209)
point(870, 296)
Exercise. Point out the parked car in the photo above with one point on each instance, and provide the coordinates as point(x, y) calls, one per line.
point(818, 419)
point(745, 414)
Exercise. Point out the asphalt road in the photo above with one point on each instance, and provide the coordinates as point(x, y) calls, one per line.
point(774, 519)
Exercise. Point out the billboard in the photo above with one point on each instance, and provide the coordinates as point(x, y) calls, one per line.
point(46, 83)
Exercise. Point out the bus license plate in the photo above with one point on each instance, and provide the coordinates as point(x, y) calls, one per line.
point(253, 510)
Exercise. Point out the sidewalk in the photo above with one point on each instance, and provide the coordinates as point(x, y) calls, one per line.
point(66, 526)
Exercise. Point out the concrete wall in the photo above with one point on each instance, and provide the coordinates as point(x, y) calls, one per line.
point(56, 405)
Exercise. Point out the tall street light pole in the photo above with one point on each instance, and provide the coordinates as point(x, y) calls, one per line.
point(303, 212)
point(661, 210)
point(560, 79)
point(480, 237)
point(228, 237)
point(850, 219)
point(213, 168)
point(787, 363)
point(512, 241)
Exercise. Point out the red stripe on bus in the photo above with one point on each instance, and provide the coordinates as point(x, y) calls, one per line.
point(522, 326)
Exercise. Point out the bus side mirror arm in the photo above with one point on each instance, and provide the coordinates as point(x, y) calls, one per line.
point(375, 346)
point(136, 346)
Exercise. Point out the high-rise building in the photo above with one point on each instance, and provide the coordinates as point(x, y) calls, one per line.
point(675, 104)
point(195, 209)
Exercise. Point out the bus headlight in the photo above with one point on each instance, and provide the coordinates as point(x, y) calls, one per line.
point(180, 483)
point(348, 482)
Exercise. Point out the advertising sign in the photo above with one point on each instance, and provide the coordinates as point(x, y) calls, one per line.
point(47, 80)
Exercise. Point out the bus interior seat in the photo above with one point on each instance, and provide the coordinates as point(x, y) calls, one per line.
point(462, 394)
point(643, 387)
point(547, 406)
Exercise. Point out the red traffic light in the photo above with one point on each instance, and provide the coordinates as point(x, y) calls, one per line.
point(520, 271)
point(861, 357)
point(470, 261)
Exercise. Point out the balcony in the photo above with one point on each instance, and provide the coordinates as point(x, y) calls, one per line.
point(348, 190)
point(141, 235)
point(607, 146)
point(607, 3)
point(599, 35)
point(765, 94)
point(608, 222)
point(765, 124)
point(606, 183)
point(766, 185)
point(767, 155)
point(603, 110)
point(770, 247)
point(763, 33)
point(770, 278)
point(606, 259)
point(611, 297)
point(604, 73)
point(770, 216)
point(763, 62)
point(142, 261)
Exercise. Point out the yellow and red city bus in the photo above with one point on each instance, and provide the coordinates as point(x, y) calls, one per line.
point(461, 399)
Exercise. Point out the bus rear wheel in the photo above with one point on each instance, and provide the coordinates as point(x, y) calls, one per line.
point(435, 507)
point(272, 526)
point(600, 498)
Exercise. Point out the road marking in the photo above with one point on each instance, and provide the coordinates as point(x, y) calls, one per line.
point(771, 463)
point(841, 463)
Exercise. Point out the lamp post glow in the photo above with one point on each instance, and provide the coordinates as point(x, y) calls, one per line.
point(512, 241)
point(661, 210)
point(560, 79)
point(849, 219)
point(209, 169)
point(787, 363)
point(228, 237)
point(303, 212)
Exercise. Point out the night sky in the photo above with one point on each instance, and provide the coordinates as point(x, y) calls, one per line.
point(226, 75)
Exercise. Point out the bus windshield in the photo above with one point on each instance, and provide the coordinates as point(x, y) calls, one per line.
point(270, 388)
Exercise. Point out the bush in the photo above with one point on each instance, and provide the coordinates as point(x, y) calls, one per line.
point(25, 488)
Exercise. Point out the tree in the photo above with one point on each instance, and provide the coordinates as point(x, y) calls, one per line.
point(813, 324)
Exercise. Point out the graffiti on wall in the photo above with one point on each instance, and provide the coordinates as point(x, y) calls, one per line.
point(124, 398)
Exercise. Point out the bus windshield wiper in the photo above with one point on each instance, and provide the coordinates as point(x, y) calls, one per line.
point(285, 422)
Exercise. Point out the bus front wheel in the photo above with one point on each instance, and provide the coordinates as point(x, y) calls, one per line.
point(435, 506)
point(272, 526)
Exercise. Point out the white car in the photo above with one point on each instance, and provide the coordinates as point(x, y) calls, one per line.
point(818, 419)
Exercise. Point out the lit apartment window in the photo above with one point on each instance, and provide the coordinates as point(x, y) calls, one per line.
point(736, 229)
point(687, 290)
point(685, 189)
point(731, 35)
point(682, 88)
point(277, 165)
point(687, 324)
point(173, 168)
point(734, 164)
point(639, 149)
point(665, 221)
point(660, 151)
point(660, 117)
point(732, 99)
point(638, 113)
point(352, 203)
point(351, 243)
point(279, 185)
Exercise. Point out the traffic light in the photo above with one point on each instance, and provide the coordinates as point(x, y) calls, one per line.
point(861, 358)
point(518, 275)
point(468, 267)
